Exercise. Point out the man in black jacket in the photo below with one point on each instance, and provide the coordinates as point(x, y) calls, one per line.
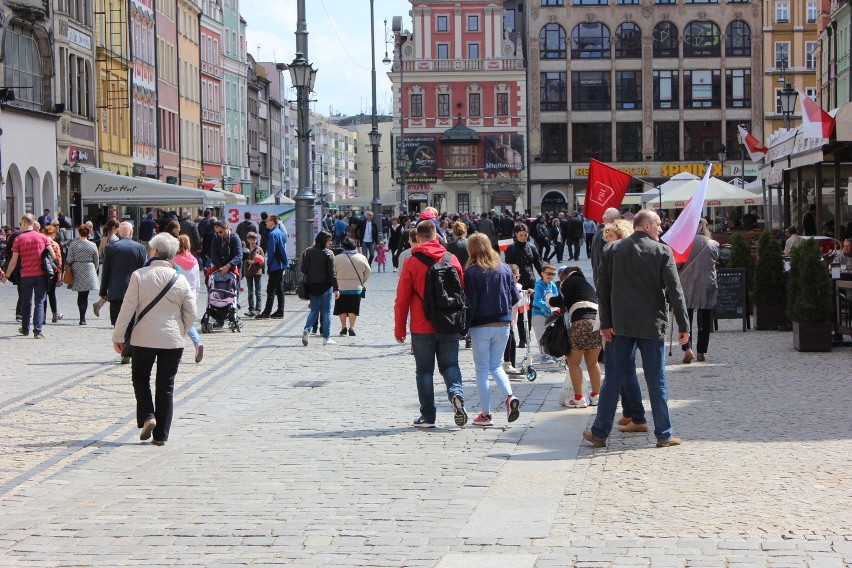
point(189, 228)
point(368, 234)
point(246, 227)
point(525, 256)
point(576, 236)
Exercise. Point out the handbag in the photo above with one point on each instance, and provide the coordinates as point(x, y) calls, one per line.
point(50, 264)
point(555, 341)
point(361, 282)
point(68, 275)
point(301, 292)
point(127, 350)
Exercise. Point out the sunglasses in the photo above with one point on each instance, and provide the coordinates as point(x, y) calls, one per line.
point(549, 273)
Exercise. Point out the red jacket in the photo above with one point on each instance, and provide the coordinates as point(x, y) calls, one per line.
point(413, 279)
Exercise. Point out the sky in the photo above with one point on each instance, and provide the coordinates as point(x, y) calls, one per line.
point(338, 47)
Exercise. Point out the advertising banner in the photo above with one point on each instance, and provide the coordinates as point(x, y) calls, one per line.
point(504, 153)
point(234, 215)
point(421, 158)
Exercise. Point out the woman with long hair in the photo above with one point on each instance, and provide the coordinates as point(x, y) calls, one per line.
point(320, 285)
point(458, 243)
point(109, 236)
point(489, 286)
point(51, 232)
point(188, 265)
point(82, 260)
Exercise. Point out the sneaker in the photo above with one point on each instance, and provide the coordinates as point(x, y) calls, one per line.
point(277, 315)
point(147, 428)
point(394, 269)
point(574, 403)
point(483, 419)
point(421, 422)
point(593, 440)
point(251, 313)
point(125, 360)
point(57, 317)
point(199, 353)
point(593, 399)
point(262, 316)
point(158, 442)
point(23, 332)
point(467, 343)
point(669, 442)
point(305, 338)
point(351, 332)
point(329, 342)
point(38, 335)
point(509, 369)
point(512, 405)
point(343, 332)
point(460, 416)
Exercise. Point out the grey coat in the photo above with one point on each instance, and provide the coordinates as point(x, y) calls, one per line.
point(634, 277)
point(82, 257)
point(698, 274)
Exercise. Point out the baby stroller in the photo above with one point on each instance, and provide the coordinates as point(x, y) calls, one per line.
point(221, 303)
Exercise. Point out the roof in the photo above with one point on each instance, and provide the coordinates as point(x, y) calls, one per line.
point(460, 134)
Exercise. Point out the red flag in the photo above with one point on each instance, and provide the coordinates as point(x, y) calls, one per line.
point(605, 188)
point(816, 123)
point(756, 150)
point(681, 235)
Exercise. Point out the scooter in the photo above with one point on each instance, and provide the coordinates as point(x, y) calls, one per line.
point(526, 368)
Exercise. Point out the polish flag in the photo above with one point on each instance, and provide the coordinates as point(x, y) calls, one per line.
point(682, 233)
point(503, 244)
point(756, 150)
point(816, 123)
point(605, 188)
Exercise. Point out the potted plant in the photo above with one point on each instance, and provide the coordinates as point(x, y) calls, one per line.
point(769, 309)
point(741, 257)
point(809, 299)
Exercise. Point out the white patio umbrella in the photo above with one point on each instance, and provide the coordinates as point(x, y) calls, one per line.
point(719, 194)
point(672, 183)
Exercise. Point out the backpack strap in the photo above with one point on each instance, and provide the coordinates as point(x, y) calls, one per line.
point(429, 262)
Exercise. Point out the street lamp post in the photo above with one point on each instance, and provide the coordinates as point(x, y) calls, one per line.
point(375, 136)
point(788, 95)
point(723, 157)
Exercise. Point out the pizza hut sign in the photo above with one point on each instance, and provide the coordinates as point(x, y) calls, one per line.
point(110, 188)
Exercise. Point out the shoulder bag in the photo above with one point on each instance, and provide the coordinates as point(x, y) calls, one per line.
point(68, 274)
point(126, 351)
point(361, 282)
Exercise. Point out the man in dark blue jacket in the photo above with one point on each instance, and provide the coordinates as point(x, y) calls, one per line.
point(146, 229)
point(276, 263)
point(226, 250)
point(121, 258)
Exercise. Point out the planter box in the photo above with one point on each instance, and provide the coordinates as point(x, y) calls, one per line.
point(812, 336)
point(769, 316)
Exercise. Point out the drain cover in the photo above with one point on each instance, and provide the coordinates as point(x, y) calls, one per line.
point(310, 384)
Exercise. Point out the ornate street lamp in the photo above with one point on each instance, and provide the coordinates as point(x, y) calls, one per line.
point(723, 157)
point(741, 140)
point(788, 103)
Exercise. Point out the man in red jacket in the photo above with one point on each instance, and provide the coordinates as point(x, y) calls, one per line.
point(426, 343)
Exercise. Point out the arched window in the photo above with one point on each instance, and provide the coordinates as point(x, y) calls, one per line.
point(665, 40)
point(590, 41)
point(702, 39)
point(628, 41)
point(552, 42)
point(23, 67)
point(738, 41)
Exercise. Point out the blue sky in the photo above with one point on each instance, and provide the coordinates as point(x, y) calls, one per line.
point(338, 46)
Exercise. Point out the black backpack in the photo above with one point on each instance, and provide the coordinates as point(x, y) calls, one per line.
point(443, 302)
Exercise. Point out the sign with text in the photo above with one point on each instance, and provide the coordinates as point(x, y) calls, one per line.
point(504, 153)
point(235, 214)
point(421, 158)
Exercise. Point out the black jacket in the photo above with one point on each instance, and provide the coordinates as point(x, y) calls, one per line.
point(362, 228)
point(525, 256)
point(121, 259)
point(575, 289)
point(318, 268)
point(576, 232)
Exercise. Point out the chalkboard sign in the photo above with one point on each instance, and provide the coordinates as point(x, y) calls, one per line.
point(731, 303)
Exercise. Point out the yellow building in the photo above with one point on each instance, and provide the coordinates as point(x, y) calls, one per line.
point(189, 81)
point(113, 102)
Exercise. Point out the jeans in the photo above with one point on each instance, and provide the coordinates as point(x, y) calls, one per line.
point(253, 285)
point(705, 326)
point(589, 237)
point(558, 251)
point(160, 406)
point(33, 293)
point(427, 347)
point(488, 344)
point(618, 355)
point(321, 309)
point(193, 335)
point(368, 247)
point(274, 289)
point(631, 393)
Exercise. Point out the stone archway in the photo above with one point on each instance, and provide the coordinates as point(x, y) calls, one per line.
point(48, 195)
point(13, 195)
point(32, 192)
point(554, 201)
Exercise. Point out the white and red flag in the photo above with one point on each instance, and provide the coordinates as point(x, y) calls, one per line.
point(605, 188)
point(816, 123)
point(503, 244)
point(682, 233)
point(756, 150)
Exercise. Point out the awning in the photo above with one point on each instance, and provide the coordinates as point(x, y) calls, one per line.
point(230, 197)
point(102, 186)
point(629, 199)
point(843, 123)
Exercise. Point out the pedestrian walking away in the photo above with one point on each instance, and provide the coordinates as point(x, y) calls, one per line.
point(82, 260)
point(634, 278)
point(490, 291)
point(698, 279)
point(353, 271)
point(427, 344)
point(163, 306)
point(320, 285)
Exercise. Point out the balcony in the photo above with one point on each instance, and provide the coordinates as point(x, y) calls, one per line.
point(462, 65)
point(211, 116)
point(211, 69)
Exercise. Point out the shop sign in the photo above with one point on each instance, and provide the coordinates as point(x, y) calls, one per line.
point(461, 174)
point(504, 153)
point(260, 195)
point(79, 38)
point(697, 169)
point(634, 171)
point(80, 155)
point(418, 197)
point(421, 158)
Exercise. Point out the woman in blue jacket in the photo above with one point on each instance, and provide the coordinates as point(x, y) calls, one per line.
point(490, 289)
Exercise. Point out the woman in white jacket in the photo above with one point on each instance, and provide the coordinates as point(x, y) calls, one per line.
point(158, 335)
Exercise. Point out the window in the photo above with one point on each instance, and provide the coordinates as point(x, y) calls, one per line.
point(551, 41)
point(812, 12)
point(701, 89)
point(590, 40)
point(590, 90)
point(628, 89)
point(665, 1)
point(554, 95)
point(701, 1)
point(738, 41)
point(701, 140)
point(810, 59)
point(502, 104)
point(702, 39)
point(552, 2)
point(628, 141)
point(416, 106)
point(666, 141)
point(665, 40)
point(782, 54)
point(666, 90)
point(590, 2)
point(738, 88)
point(443, 51)
point(460, 156)
point(463, 203)
point(628, 2)
point(473, 51)
point(554, 142)
point(473, 23)
point(442, 23)
point(591, 140)
point(509, 20)
point(23, 67)
point(474, 105)
point(443, 105)
point(79, 88)
point(628, 41)
point(782, 12)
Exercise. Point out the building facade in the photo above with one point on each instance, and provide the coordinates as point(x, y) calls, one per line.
point(113, 86)
point(258, 129)
point(212, 93)
point(143, 88)
point(235, 119)
point(189, 92)
point(459, 87)
point(168, 104)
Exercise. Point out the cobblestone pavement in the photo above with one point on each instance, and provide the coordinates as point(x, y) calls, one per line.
point(304, 456)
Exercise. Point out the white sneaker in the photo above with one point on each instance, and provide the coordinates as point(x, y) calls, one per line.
point(593, 399)
point(508, 368)
point(574, 403)
point(564, 395)
point(329, 342)
point(305, 338)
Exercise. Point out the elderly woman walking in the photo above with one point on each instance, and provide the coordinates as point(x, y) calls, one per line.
point(353, 271)
point(164, 306)
point(698, 279)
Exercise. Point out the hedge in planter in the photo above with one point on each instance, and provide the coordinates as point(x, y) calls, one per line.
point(769, 284)
point(809, 299)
